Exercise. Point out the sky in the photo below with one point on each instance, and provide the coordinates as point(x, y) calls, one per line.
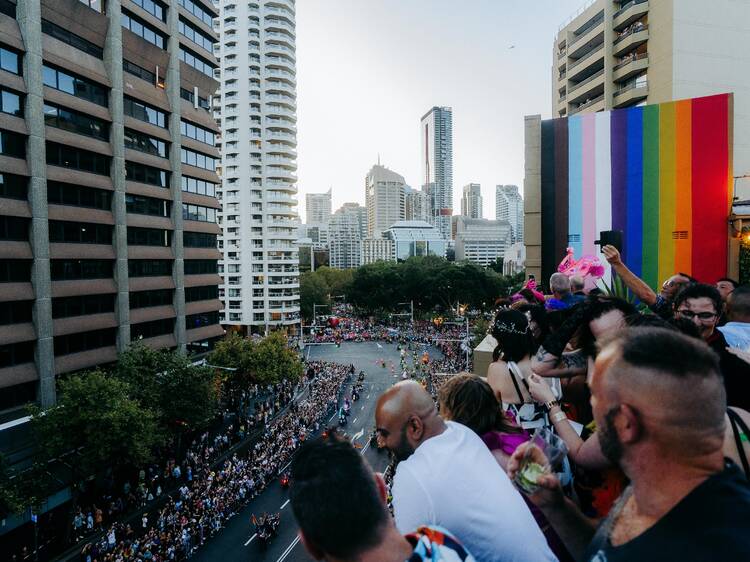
point(367, 70)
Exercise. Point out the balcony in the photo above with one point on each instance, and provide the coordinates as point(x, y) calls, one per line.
point(629, 13)
point(636, 64)
point(587, 88)
point(587, 64)
point(591, 105)
point(630, 95)
point(630, 39)
point(276, 23)
point(591, 37)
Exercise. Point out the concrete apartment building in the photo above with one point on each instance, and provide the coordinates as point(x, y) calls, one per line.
point(416, 205)
point(615, 54)
point(482, 241)
point(376, 249)
point(347, 230)
point(509, 207)
point(384, 199)
point(437, 166)
point(318, 208)
point(107, 186)
point(256, 109)
point(471, 201)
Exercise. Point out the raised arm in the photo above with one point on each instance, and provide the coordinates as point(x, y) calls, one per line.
point(550, 361)
point(639, 287)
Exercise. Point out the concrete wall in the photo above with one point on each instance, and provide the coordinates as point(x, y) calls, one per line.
point(532, 190)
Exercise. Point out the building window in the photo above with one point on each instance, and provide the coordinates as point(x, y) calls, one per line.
point(151, 329)
point(78, 195)
point(146, 174)
point(149, 268)
point(198, 213)
point(140, 205)
point(140, 72)
point(74, 85)
point(12, 144)
point(145, 113)
point(10, 60)
point(72, 39)
point(149, 236)
point(75, 122)
point(77, 158)
point(196, 36)
point(15, 271)
point(197, 159)
point(201, 187)
point(16, 354)
point(142, 29)
point(201, 267)
point(198, 11)
point(197, 132)
point(144, 143)
point(14, 228)
point(198, 63)
point(11, 103)
point(156, 9)
point(96, 5)
point(69, 270)
point(190, 96)
point(16, 312)
point(193, 321)
point(13, 186)
point(83, 305)
point(198, 240)
point(80, 232)
point(9, 9)
point(84, 341)
point(205, 293)
point(145, 299)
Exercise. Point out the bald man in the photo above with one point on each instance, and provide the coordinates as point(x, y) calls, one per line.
point(447, 477)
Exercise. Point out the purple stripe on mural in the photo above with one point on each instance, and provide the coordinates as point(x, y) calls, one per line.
point(619, 140)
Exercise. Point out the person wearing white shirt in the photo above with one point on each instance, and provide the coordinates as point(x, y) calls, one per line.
point(447, 477)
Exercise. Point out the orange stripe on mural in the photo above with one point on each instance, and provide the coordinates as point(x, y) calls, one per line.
point(683, 222)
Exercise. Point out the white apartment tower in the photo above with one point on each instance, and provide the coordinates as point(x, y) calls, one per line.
point(347, 230)
point(471, 201)
point(256, 108)
point(509, 207)
point(384, 199)
point(416, 205)
point(318, 208)
point(437, 166)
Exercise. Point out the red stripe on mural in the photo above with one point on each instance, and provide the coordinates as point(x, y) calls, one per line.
point(710, 169)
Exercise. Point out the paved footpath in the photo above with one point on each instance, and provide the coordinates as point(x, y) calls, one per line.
point(236, 541)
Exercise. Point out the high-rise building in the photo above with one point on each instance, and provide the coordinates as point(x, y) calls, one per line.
point(509, 207)
point(415, 238)
point(108, 227)
point(347, 229)
point(416, 205)
point(257, 111)
point(482, 241)
point(318, 207)
point(616, 54)
point(437, 166)
point(471, 201)
point(376, 249)
point(384, 199)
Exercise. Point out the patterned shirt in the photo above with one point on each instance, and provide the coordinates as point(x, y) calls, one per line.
point(433, 544)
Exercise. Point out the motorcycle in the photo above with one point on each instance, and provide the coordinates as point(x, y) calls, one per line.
point(342, 420)
point(266, 528)
point(284, 481)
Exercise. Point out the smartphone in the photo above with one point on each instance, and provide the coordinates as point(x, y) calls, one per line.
point(610, 238)
point(532, 277)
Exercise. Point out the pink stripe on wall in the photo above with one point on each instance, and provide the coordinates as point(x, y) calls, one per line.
point(589, 185)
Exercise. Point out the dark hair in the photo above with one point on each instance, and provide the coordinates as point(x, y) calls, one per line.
point(698, 291)
point(691, 279)
point(728, 280)
point(685, 326)
point(335, 499)
point(529, 295)
point(597, 307)
point(513, 334)
point(639, 320)
point(539, 315)
point(472, 402)
point(740, 304)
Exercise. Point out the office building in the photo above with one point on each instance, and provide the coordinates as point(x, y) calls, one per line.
point(482, 241)
point(107, 187)
point(416, 205)
point(384, 199)
point(347, 229)
point(509, 207)
point(415, 238)
point(257, 112)
point(437, 166)
point(318, 208)
point(514, 260)
point(616, 54)
point(471, 201)
point(376, 249)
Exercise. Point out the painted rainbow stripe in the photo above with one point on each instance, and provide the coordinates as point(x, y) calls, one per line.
point(660, 173)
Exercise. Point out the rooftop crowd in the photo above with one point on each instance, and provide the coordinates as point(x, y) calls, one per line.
point(602, 431)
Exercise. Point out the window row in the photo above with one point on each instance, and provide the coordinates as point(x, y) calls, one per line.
point(197, 159)
point(78, 195)
point(149, 268)
point(143, 30)
point(10, 60)
point(198, 240)
point(198, 213)
point(151, 329)
point(75, 85)
point(84, 341)
point(146, 174)
point(15, 312)
point(12, 144)
point(71, 270)
point(16, 354)
point(201, 267)
point(156, 9)
point(80, 232)
point(145, 143)
point(77, 158)
point(190, 96)
point(197, 132)
point(139, 71)
point(72, 39)
point(196, 36)
point(201, 187)
point(149, 237)
point(145, 299)
point(203, 293)
point(13, 186)
point(198, 63)
point(15, 271)
point(11, 103)
point(75, 122)
point(14, 228)
point(198, 11)
point(143, 112)
point(193, 321)
point(141, 205)
point(83, 305)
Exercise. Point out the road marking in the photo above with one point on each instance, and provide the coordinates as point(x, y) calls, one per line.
point(288, 550)
point(284, 504)
point(357, 435)
point(355, 420)
point(287, 466)
point(333, 416)
point(368, 395)
point(362, 408)
point(251, 539)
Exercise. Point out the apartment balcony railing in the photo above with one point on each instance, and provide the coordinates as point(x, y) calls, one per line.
point(636, 57)
point(588, 103)
point(632, 31)
point(591, 78)
point(625, 7)
point(596, 51)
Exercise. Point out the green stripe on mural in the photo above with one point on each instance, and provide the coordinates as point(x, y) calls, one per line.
point(650, 269)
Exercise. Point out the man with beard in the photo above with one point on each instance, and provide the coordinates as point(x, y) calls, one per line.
point(447, 477)
point(659, 403)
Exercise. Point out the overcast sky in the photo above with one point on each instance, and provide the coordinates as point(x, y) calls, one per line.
point(368, 70)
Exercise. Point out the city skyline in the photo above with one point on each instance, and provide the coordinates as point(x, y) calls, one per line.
point(491, 54)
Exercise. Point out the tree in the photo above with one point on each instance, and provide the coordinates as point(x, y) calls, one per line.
point(497, 265)
point(312, 290)
point(273, 361)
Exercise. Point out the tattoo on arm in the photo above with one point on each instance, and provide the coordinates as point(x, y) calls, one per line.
point(574, 360)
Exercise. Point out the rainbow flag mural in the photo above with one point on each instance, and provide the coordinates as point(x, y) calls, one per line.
point(660, 173)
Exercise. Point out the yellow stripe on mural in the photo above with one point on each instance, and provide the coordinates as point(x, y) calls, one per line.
point(666, 189)
point(683, 217)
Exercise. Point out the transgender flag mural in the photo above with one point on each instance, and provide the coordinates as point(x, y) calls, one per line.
point(659, 173)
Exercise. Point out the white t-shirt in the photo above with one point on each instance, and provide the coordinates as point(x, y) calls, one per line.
point(453, 481)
